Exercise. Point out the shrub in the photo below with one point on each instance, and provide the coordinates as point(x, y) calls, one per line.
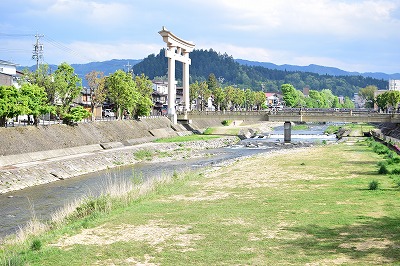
point(396, 171)
point(93, 205)
point(383, 170)
point(379, 148)
point(76, 114)
point(36, 244)
point(373, 185)
point(392, 158)
point(226, 122)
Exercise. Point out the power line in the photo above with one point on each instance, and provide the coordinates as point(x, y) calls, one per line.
point(38, 47)
point(67, 49)
point(15, 35)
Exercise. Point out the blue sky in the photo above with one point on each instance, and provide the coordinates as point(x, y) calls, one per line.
point(354, 35)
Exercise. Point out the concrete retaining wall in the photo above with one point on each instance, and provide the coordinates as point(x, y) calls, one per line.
point(30, 139)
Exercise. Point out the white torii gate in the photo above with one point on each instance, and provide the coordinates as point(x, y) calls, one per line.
point(177, 50)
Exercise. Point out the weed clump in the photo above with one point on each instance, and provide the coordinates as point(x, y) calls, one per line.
point(383, 169)
point(36, 245)
point(373, 185)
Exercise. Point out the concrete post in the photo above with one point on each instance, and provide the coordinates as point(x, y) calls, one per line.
point(171, 90)
point(287, 128)
point(186, 98)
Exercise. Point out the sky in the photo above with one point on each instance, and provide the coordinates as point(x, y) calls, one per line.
point(353, 35)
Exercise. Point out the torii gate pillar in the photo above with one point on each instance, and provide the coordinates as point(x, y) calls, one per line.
point(177, 50)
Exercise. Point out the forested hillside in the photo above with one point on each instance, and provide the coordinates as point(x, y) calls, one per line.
point(230, 72)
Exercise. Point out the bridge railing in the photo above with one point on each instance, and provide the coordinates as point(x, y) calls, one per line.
point(303, 114)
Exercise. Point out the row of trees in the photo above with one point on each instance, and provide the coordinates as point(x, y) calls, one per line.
point(315, 99)
point(227, 97)
point(42, 92)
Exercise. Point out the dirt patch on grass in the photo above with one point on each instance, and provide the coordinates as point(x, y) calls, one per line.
point(154, 233)
point(201, 196)
point(128, 261)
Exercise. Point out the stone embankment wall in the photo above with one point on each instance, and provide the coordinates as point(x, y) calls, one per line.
point(390, 129)
point(29, 139)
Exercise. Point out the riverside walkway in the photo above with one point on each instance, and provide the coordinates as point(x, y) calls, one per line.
point(297, 115)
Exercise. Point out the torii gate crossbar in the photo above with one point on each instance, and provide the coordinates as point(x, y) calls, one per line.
point(177, 50)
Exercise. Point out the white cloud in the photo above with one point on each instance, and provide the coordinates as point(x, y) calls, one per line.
point(93, 12)
point(338, 18)
point(84, 52)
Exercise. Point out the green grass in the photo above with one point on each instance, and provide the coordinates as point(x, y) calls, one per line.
point(186, 138)
point(362, 127)
point(209, 131)
point(300, 127)
point(311, 207)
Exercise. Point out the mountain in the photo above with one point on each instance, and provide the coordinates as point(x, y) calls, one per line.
point(322, 70)
point(243, 73)
point(257, 76)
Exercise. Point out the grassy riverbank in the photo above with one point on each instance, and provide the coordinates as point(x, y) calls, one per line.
point(306, 206)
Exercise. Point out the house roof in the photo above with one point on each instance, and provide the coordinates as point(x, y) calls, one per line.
point(2, 62)
point(270, 94)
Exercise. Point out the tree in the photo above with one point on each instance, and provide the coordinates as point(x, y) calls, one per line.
point(144, 86)
point(35, 101)
point(229, 95)
point(204, 94)
point(219, 98)
point(328, 98)
point(259, 100)
point(316, 99)
point(249, 99)
point(10, 103)
point(68, 86)
point(96, 83)
point(290, 96)
point(368, 94)
point(393, 98)
point(43, 78)
point(239, 98)
point(382, 101)
point(348, 103)
point(212, 82)
point(122, 91)
point(194, 89)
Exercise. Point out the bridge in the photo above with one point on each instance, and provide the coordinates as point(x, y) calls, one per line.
point(298, 115)
point(288, 115)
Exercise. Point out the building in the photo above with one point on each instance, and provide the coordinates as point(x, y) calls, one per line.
point(394, 84)
point(8, 74)
point(359, 102)
point(273, 99)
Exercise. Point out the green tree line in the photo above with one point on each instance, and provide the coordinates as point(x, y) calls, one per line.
point(42, 92)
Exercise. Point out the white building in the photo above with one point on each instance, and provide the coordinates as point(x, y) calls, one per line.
point(160, 87)
point(9, 74)
point(394, 84)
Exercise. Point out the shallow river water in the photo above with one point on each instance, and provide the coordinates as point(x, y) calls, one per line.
point(18, 207)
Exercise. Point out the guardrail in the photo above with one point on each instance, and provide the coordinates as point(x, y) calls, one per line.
point(300, 114)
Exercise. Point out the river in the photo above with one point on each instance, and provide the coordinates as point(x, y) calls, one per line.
point(18, 207)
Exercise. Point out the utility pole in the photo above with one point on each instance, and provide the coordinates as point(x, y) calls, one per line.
point(37, 50)
point(129, 69)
